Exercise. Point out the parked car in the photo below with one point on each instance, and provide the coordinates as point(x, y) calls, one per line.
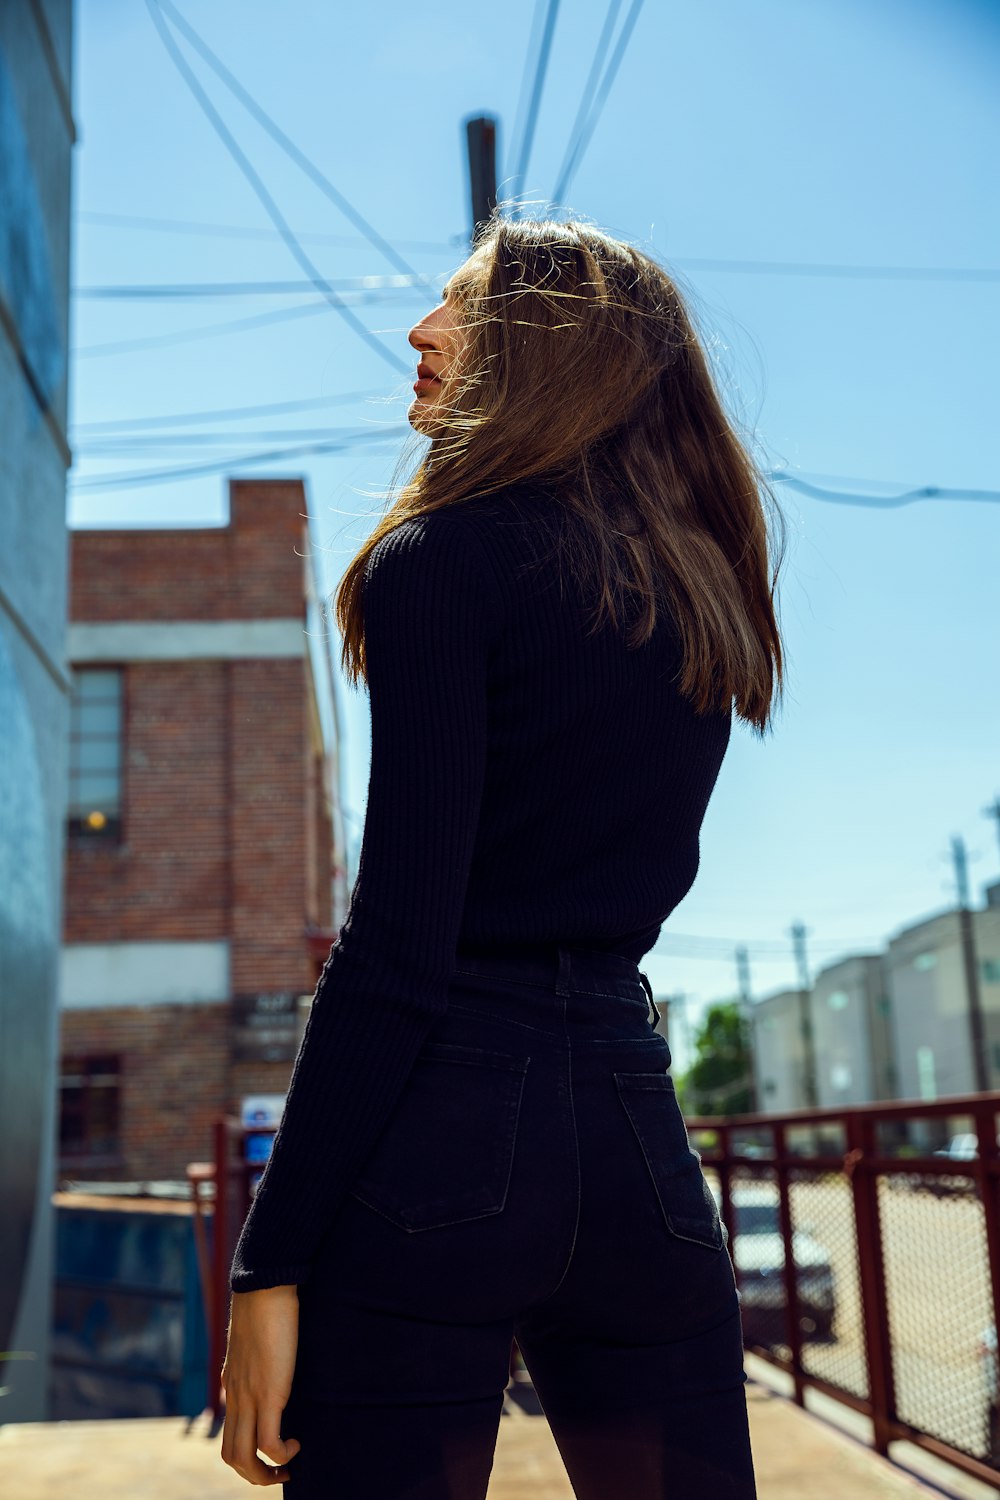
point(961, 1147)
point(758, 1253)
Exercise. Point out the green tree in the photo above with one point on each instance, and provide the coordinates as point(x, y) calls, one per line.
point(720, 1080)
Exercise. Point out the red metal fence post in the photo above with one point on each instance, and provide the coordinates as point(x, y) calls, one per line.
point(871, 1275)
point(220, 1269)
point(793, 1331)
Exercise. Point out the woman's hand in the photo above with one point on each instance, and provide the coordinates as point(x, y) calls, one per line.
point(257, 1380)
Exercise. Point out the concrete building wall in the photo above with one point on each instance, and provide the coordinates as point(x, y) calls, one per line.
point(850, 1007)
point(930, 1016)
point(779, 1048)
point(36, 139)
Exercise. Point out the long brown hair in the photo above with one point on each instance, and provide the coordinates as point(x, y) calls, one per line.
point(581, 368)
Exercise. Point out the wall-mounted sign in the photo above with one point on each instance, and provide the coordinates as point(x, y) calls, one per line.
point(265, 1027)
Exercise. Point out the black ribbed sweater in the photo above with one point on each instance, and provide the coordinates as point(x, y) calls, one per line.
point(529, 786)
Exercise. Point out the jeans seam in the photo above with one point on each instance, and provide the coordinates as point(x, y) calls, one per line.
point(579, 1176)
point(535, 984)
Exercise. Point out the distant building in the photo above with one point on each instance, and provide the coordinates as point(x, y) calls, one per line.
point(930, 1017)
point(36, 140)
point(780, 1040)
point(852, 1035)
point(205, 865)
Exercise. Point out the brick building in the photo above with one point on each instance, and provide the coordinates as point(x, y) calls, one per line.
point(205, 872)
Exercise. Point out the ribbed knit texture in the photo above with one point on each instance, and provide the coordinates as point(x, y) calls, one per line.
point(530, 786)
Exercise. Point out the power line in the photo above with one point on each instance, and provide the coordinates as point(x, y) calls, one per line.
point(579, 146)
point(120, 443)
point(907, 497)
point(212, 330)
point(517, 131)
point(137, 477)
point(318, 178)
point(226, 414)
point(688, 945)
point(541, 67)
point(586, 98)
point(257, 184)
point(239, 231)
point(142, 292)
point(705, 263)
point(820, 268)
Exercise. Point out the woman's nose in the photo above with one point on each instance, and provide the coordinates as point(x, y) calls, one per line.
point(424, 335)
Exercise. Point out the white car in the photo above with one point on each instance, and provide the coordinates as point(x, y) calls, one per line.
point(758, 1253)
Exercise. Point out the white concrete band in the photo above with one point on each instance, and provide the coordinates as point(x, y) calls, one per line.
point(104, 975)
point(185, 640)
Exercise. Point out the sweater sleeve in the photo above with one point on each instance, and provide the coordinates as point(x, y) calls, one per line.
point(431, 604)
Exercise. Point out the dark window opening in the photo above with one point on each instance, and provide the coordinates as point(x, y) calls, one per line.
point(89, 1106)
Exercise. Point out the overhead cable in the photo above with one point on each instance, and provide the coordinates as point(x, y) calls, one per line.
point(256, 182)
point(907, 497)
point(587, 97)
point(826, 268)
point(137, 477)
point(309, 309)
point(704, 263)
point(534, 103)
point(578, 146)
point(130, 442)
point(139, 291)
point(318, 178)
point(240, 231)
point(223, 414)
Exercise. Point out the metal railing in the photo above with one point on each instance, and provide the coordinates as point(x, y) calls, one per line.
point(226, 1180)
point(868, 1265)
point(868, 1261)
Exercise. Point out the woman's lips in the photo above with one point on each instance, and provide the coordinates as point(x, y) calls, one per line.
point(426, 383)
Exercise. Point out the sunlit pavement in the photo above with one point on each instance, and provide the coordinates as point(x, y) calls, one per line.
point(796, 1454)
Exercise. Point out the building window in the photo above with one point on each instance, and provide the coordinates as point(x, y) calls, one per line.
point(95, 752)
point(89, 1093)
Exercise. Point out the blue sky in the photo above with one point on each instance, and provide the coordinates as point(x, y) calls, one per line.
point(792, 136)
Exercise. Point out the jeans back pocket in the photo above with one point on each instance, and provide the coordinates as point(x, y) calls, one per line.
point(686, 1200)
point(447, 1151)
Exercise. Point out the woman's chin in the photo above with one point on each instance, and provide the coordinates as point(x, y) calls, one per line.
point(420, 414)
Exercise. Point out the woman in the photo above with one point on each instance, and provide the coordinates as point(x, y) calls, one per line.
point(481, 1139)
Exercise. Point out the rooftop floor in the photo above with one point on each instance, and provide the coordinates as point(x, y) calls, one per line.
point(798, 1456)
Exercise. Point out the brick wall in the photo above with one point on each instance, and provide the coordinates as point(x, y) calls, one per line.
point(174, 1072)
point(226, 830)
point(169, 876)
point(251, 569)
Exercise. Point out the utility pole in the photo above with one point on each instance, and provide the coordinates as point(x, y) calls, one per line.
point(746, 1010)
point(993, 811)
point(977, 1029)
point(481, 141)
point(798, 935)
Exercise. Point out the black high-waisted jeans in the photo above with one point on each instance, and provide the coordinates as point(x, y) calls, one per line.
point(534, 1181)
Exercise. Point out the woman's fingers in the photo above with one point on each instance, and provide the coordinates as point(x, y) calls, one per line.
point(269, 1439)
point(240, 1441)
point(257, 1378)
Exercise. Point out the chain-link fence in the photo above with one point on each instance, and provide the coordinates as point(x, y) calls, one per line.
point(866, 1245)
